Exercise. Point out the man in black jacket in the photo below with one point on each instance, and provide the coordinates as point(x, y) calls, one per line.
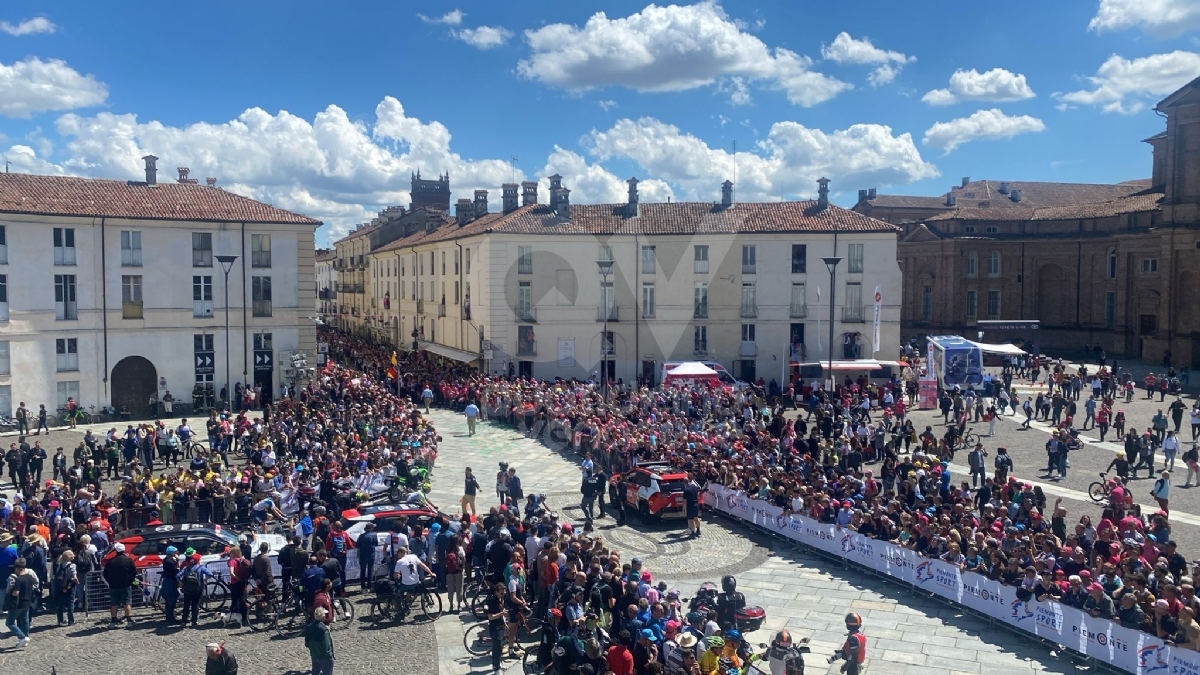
point(220, 660)
point(120, 573)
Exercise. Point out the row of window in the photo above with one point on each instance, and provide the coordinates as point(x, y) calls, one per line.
point(418, 290)
point(63, 239)
point(1149, 265)
point(649, 263)
point(393, 266)
point(66, 306)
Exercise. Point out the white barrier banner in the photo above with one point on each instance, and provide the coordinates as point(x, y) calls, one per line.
point(1129, 650)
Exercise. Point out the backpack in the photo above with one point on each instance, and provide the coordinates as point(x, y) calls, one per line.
point(190, 584)
point(451, 561)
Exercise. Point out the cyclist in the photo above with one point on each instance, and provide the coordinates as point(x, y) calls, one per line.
point(408, 572)
point(710, 659)
point(421, 497)
point(515, 603)
point(184, 432)
point(265, 509)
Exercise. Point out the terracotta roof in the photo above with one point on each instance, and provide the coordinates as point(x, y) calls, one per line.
point(325, 254)
point(659, 218)
point(69, 196)
point(1133, 204)
point(908, 201)
point(360, 232)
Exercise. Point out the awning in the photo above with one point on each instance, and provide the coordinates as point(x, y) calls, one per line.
point(999, 348)
point(844, 364)
point(450, 352)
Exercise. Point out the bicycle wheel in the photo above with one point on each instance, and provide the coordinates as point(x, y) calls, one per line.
point(343, 610)
point(529, 632)
point(291, 621)
point(969, 441)
point(215, 598)
point(479, 606)
point(1097, 493)
point(431, 606)
point(477, 640)
point(263, 615)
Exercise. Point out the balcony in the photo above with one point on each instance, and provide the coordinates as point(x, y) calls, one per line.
point(613, 314)
point(442, 309)
point(748, 350)
point(798, 311)
point(421, 306)
point(261, 308)
point(749, 311)
point(526, 314)
point(700, 267)
point(749, 269)
point(202, 309)
point(853, 315)
point(131, 310)
point(527, 348)
point(700, 310)
point(131, 257)
point(525, 267)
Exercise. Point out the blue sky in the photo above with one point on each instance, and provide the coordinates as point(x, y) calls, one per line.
point(326, 111)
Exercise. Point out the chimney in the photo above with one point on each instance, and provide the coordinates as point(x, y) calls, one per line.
point(822, 193)
point(1016, 196)
point(151, 169)
point(212, 181)
point(871, 194)
point(183, 176)
point(862, 195)
point(508, 193)
point(727, 194)
point(529, 190)
point(631, 208)
point(555, 191)
point(564, 203)
point(965, 180)
point(1003, 189)
point(463, 211)
point(951, 199)
point(481, 203)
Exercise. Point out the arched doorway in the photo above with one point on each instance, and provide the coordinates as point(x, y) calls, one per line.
point(1051, 295)
point(134, 381)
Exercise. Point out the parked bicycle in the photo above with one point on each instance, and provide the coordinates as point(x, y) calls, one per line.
point(394, 605)
point(262, 610)
point(478, 641)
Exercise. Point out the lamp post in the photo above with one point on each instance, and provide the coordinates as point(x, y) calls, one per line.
point(831, 263)
point(605, 269)
point(227, 265)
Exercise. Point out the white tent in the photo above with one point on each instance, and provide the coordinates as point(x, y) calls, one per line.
point(999, 348)
point(692, 369)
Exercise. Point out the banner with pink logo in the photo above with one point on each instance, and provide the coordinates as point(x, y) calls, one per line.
point(1104, 640)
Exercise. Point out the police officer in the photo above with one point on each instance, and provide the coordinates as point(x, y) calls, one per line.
point(854, 649)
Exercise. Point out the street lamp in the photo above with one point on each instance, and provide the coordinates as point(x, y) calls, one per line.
point(605, 269)
point(227, 265)
point(831, 263)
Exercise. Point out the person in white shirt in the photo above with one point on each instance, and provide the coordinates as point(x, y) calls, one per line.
point(408, 571)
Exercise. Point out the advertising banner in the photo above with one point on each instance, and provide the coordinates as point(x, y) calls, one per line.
point(1129, 650)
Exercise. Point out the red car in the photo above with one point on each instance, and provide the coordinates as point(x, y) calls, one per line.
point(354, 521)
point(654, 491)
point(148, 545)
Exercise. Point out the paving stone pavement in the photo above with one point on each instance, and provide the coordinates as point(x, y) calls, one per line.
point(808, 595)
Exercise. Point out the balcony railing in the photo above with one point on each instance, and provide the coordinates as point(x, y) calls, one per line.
point(799, 311)
point(131, 257)
point(202, 308)
point(131, 310)
point(421, 306)
point(260, 259)
point(527, 348)
point(700, 349)
point(700, 267)
point(261, 308)
point(749, 269)
point(524, 267)
point(442, 309)
point(748, 350)
point(853, 315)
point(526, 314)
point(749, 311)
point(612, 314)
point(700, 310)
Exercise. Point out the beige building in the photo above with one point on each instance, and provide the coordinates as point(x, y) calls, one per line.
point(520, 290)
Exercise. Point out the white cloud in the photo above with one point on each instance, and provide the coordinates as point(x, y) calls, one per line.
point(669, 48)
point(24, 159)
point(452, 18)
point(994, 85)
point(592, 183)
point(33, 86)
point(1124, 86)
point(784, 165)
point(982, 125)
point(38, 24)
point(845, 49)
point(1164, 18)
point(331, 168)
point(607, 104)
point(483, 37)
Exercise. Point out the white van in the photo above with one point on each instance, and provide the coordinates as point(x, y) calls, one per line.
point(726, 378)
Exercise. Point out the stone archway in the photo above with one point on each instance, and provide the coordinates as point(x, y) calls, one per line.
point(1051, 295)
point(134, 381)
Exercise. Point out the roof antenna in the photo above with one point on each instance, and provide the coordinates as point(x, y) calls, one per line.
point(735, 171)
point(6, 164)
point(513, 162)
